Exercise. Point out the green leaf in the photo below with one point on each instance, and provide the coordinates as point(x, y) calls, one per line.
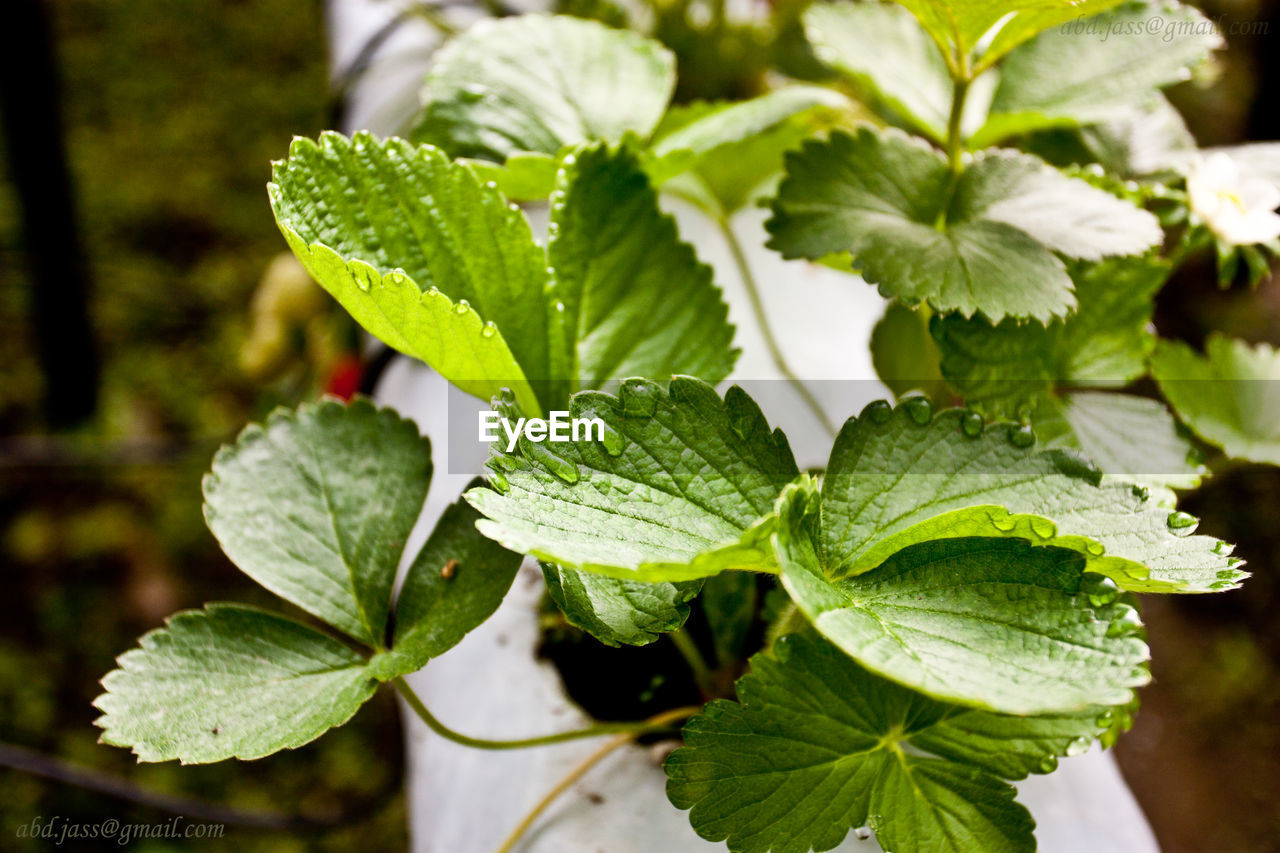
point(455, 583)
point(998, 624)
point(542, 83)
point(984, 246)
point(1096, 70)
point(421, 254)
point(1005, 367)
point(1130, 438)
point(957, 26)
point(636, 300)
point(896, 478)
point(229, 682)
point(1142, 141)
point(904, 354)
point(729, 602)
point(317, 504)
point(817, 746)
point(681, 487)
point(526, 176)
point(886, 53)
point(1230, 396)
point(617, 611)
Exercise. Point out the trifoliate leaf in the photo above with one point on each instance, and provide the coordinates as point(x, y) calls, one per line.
point(1097, 69)
point(229, 682)
point(410, 244)
point(542, 83)
point(1230, 396)
point(617, 611)
point(682, 486)
point(897, 478)
point(817, 746)
point(1005, 367)
point(636, 301)
point(983, 243)
point(1130, 438)
point(884, 50)
point(998, 624)
point(455, 583)
point(317, 504)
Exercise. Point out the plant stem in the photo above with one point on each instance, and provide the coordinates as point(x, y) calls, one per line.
point(658, 721)
point(630, 729)
point(762, 320)
point(688, 649)
point(955, 130)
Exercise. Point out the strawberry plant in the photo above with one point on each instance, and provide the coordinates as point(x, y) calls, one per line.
point(948, 605)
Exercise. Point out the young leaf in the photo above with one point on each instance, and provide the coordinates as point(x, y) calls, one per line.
point(998, 624)
point(229, 682)
point(817, 746)
point(1068, 78)
point(317, 504)
point(682, 486)
point(1005, 367)
point(897, 478)
point(455, 583)
point(957, 26)
point(636, 301)
point(542, 83)
point(1230, 396)
point(884, 50)
point(617, 611)
point(983, 243)
point(410, 243)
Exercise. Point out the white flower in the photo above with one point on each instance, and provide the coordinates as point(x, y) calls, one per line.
point(1241, 211)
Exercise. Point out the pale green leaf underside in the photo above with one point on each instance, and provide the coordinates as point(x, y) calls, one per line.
point(636, 300)
point(815, 748)
point(683, 487)
point(1064, 78)
point(883, 48)
point(229, 682)
point(316, 505)
point(454, 584)
point(987, 247)
point(617, 611)
point(1132, 439)
point(403, 238)
point(1230, 396)
point(892, 482)
point(538, 83)
point(993, 623)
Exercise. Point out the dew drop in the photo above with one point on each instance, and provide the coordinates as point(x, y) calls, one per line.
point(1048, 764)
point(462, 307)
point(878, 412)
point(1100, 589)
point(1042, 527)
point(1022, 437)
point(1228, 575)
point(1127, 624)
point(1142, 493)
point(491, 185)
point(639, 398)
point(1218, 586)
point(1181, 521)
point(1106, 719)
point(971, 424)
point(611, 440)
point(919, 408)
point(1079, 746)
point(1223, 549)
point(488, 330)
point(862, 833)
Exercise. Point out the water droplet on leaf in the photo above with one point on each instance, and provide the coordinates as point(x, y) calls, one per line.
point(1022, 437)
point(878, 412)
point(639, 398)
point(1100, 589)
point(918, 408)
point(971, 424)
point(611, 440)
point(1181, 521)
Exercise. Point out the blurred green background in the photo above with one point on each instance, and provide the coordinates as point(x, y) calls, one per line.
point(172, 112)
